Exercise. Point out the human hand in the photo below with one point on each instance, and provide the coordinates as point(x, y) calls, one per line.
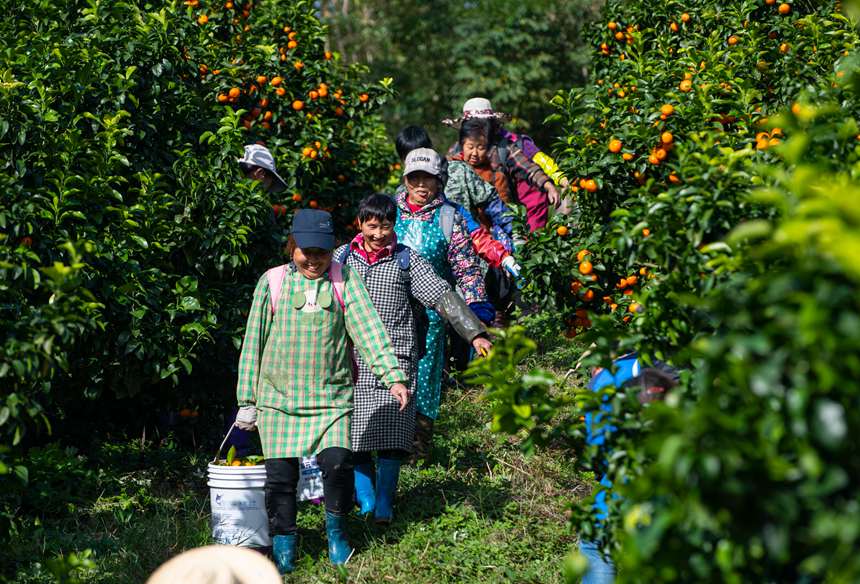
point(552, 194)
point(401, 394)
point(246, 418)
point(482, 345)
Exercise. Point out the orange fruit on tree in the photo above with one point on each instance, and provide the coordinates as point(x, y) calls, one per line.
point(611, 25)
point(338, 111)
point(685, 18)
point(267, 116)
point(585, 267)
point(619, 36)
point(261, 79)
point(292, 36)
point(615, 146)
point(281, 91)
point(652, 159)
point(784, 8)
point(733, 40)
point(313, 94)
point(202, 19)
point(631, 280)
point(235, 92)
point(313, 204)
point(635, 307)
point(292, 45)
point(667, 137)
point(646, 232)
point(298, 105)
point(627, 156)
point(590, 185)
point(363, 98)
point(562, 230)
point(686, 85)
point(314, 154)
point(643, 271)
point(228, 5)
point(327, 55)
point(673, 178)
point(628, 292)
point(323, 90)
point(222, 98)
point(277, 80)
point(784, 48)
point(674, 27)
point(298, 65)
point(264, 102)
point(297, 197)
point(580, 255)
point(770, 2)
point(667, 109)
point(588, 295)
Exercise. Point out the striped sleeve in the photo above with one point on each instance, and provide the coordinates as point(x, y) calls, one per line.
point(256, 333)
point(368, 333)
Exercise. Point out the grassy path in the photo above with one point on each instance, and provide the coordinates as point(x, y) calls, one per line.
point(482, 512)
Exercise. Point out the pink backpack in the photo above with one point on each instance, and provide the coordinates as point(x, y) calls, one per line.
point(276, 275)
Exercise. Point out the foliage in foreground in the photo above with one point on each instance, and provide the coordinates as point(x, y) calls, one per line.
point(729, 247)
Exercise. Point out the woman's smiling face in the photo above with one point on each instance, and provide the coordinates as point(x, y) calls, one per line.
point(312, 262)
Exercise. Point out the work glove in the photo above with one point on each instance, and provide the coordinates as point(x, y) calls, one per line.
point(246, 418)
point(511, 266)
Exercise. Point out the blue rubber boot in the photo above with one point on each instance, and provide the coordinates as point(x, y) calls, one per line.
point(284, 552)
point(387, 473)
point(339, 550)
point(364, 488)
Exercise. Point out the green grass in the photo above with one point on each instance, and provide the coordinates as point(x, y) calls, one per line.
point(480, 512)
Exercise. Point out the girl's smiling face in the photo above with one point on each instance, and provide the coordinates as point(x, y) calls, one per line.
point(475, 150)
point(312, 262)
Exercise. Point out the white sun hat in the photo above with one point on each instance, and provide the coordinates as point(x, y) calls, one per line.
point(476, 108)
point(257, 155)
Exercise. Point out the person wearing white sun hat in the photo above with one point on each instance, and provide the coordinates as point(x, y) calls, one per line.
point(512, 162)
point(258, 164)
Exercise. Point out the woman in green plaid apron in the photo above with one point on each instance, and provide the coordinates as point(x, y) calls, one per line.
point(295, 378)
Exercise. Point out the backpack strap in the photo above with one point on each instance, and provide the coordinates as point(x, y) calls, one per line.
point(336, 275)
point(343, 254)
point(275, 277)
point(446, 220)
point(401, 254)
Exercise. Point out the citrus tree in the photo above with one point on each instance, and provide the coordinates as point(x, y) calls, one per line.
point(715, 158)
point(129, 239)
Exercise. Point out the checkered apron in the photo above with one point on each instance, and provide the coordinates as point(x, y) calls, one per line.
point(377, 423)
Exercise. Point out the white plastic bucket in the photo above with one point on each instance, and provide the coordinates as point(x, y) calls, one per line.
point(239, 505)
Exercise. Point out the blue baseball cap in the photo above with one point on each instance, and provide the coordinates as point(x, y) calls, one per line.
point(313, 228)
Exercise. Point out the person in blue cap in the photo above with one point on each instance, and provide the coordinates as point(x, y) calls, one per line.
point(652, 383)
point(295, 379)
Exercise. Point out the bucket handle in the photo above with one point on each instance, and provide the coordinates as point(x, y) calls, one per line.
point(223, 442)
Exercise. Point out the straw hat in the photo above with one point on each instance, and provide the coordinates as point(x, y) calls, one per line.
point(217, 564)
point(476, 107)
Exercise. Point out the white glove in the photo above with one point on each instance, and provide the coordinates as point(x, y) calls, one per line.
point(511, 266)
point(246, 418)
